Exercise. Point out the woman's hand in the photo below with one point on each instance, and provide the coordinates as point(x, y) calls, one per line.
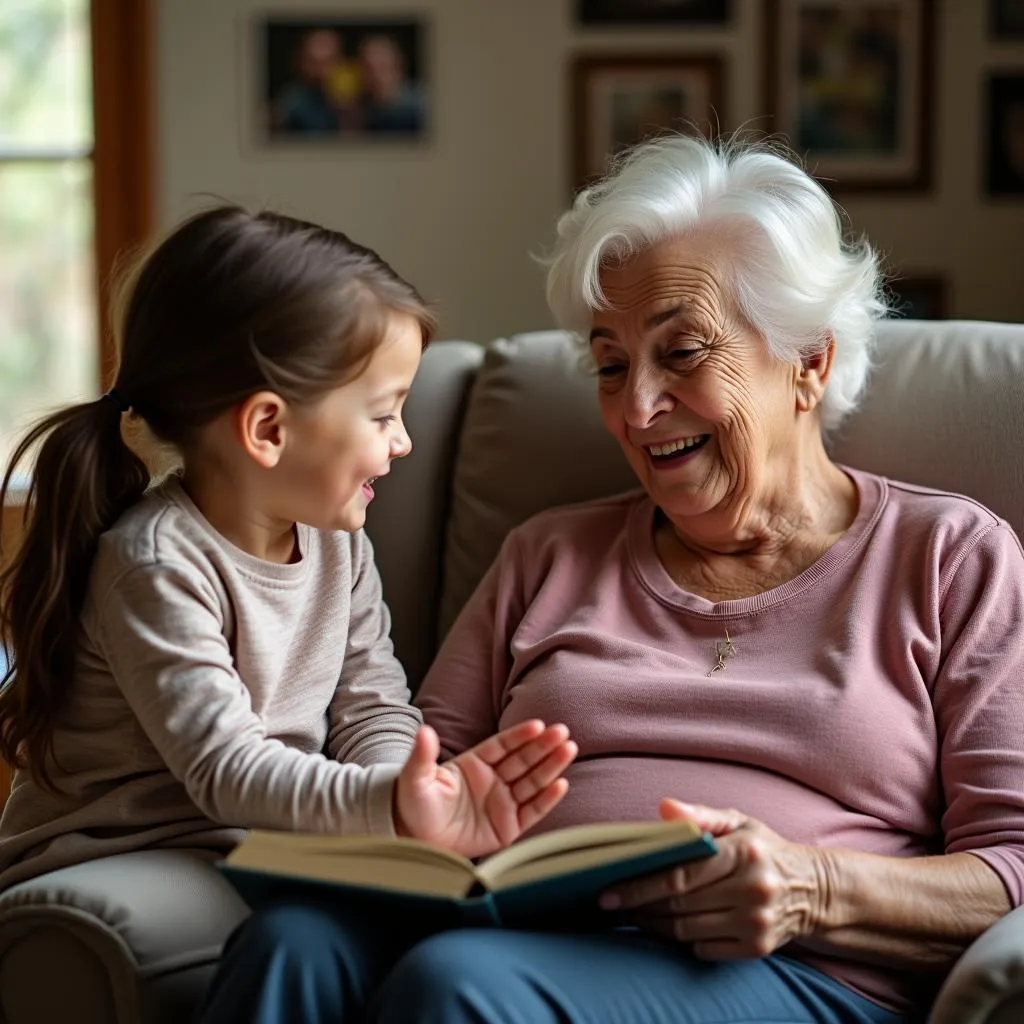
point(487, 797)
point(757, 894)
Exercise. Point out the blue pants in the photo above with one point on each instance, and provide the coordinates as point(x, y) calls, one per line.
point(296, 964)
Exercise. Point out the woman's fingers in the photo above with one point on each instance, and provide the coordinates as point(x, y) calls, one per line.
point(710, 819)
point(678, 930)
point(684, 880)
point(532, 812)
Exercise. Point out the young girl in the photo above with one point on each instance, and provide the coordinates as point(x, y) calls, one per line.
point(212, 654)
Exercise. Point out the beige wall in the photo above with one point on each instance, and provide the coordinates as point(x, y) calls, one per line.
point(460, 214)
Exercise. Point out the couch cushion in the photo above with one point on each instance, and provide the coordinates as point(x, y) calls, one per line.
point(944, 408)
point(531, 438)
point(138, 915)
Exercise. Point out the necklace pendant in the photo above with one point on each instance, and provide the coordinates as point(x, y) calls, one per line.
point(724, 649)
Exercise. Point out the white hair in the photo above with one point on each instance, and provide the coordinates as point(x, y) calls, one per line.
point(795, 279)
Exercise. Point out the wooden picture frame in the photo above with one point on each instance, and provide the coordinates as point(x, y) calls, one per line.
point(621, 99)
point(849, 84)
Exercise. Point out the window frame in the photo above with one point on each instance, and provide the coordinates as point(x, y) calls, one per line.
point(122, 156)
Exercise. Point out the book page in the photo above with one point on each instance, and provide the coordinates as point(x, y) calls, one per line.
point(398, 864)
point(581, 846)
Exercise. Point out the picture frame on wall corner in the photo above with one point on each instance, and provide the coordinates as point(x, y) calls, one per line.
point(849, 85)
point(621, 99)
point(1004, 142)
point(1006, 20)
point(918, 296)
point(693, 13)
point(340, 80)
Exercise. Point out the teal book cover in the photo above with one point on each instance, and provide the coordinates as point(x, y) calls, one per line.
point(568, 897)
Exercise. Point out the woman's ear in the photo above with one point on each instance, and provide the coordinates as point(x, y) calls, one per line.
point(261, 428)
point(813, 374)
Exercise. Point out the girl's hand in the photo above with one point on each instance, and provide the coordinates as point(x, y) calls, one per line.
point(487, 797)
point(758, 893)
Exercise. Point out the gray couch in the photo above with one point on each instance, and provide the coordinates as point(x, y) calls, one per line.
point(500, 433)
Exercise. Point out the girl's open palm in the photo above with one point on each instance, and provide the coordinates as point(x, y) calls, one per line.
point(487, 797)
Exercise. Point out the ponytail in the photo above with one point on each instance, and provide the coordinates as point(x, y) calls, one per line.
point(227, 304)
point(85, 476)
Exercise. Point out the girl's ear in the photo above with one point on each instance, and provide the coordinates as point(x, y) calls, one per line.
point(812, 376)
point(261, 429)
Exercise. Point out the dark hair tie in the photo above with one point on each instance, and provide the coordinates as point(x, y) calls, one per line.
point(117, 401)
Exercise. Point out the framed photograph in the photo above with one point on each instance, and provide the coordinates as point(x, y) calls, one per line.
point(1004, 145)
point(618, 101)
point(653, 12)
point(334, 80)
point(849, 85)
point(921, 297)
point(1005, 20)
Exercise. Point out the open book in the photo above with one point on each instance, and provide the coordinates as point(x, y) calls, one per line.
point(554, 872)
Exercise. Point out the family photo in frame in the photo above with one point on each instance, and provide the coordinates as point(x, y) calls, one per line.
point(849, 87)
point(619, 100)
point(341, 79)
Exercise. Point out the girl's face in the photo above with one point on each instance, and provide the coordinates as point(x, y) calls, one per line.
point(340, 445)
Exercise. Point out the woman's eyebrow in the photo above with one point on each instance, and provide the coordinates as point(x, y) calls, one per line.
point(657, 319)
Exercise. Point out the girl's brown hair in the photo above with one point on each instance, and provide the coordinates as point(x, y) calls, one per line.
point(230, 303)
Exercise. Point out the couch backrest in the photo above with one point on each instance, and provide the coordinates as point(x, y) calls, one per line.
point(502, 433)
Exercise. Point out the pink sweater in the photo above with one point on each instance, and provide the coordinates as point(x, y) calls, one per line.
point(874, 702)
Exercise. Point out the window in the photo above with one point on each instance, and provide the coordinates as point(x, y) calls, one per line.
point(74, 191)
point(75, 180)
point(48, 321)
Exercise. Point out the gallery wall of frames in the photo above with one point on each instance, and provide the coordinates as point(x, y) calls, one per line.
point(850, 86)
point(450, 134)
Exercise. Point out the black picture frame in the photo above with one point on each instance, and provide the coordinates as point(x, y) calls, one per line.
point(695, 13)
point(1006, 20)
point(1004, 134)
point(330, 80)
point(918, 296)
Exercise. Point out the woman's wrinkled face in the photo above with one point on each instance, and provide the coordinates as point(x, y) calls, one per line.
point(686, 386)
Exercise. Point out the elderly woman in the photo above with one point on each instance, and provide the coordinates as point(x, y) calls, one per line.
point(823, 664)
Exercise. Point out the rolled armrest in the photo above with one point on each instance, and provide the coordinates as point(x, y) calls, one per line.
point(85, 942)
point(987, 984)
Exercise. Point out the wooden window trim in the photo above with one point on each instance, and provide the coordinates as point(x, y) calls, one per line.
point(123, 161)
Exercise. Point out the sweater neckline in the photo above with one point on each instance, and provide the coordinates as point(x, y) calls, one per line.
point(257, 568)
point(872, 494)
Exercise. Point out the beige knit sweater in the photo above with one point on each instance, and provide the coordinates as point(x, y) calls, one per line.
point(217, 692)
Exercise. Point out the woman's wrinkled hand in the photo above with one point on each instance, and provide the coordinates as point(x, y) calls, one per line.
point(485, 798)
point(758, 893)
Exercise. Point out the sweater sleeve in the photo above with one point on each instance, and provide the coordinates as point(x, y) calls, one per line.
point(163, 635)
point(370, 718)
point(979, 705)
point(462, 694)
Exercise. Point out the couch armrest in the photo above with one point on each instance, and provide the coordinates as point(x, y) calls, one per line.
point(83, 943)
point(987, 984)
